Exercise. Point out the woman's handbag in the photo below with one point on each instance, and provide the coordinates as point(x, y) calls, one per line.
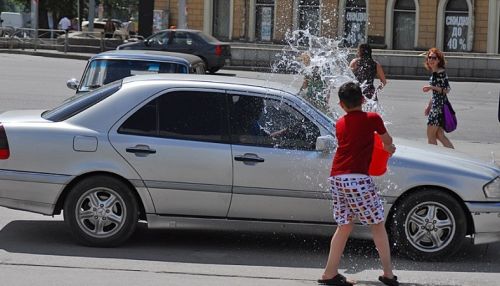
point(450, 119)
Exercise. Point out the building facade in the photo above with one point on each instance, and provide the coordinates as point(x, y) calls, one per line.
point(451, 25)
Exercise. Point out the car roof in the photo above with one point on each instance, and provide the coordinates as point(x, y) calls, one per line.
point(148, 56)
point(232, 80)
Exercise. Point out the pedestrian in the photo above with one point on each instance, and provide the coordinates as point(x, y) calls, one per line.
point(64, 24)
point(109, 28)
point(313, 86)
point(365, 69)
point(440, 87)
point(353, 190)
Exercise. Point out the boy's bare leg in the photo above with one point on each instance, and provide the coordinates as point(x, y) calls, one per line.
point(337, 246)
point(382, 243)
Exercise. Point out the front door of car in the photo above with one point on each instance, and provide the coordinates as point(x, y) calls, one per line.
point(178, 143)
point(159, 41)
point(278, 174)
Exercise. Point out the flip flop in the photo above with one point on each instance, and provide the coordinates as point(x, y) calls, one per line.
point(389, 281)
point(337, 280)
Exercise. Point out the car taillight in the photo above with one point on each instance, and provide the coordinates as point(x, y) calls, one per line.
point(4, 144)
point(218, 50)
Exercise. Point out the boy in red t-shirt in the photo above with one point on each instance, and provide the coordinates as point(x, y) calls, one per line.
point(353, 190)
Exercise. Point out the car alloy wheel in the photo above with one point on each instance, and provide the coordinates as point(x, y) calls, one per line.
point(101, 211)
point(430, 226)
point(427, 224)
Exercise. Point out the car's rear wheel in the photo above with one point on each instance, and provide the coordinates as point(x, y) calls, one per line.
point(428, 225)
point(214, 69)
point(101, 211)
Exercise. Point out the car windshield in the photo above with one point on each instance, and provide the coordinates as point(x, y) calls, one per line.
point(80, 102)
point(104, 71)
point(207, 38)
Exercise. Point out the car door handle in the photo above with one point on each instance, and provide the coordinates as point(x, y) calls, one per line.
point(140, 149)
point(249, 158)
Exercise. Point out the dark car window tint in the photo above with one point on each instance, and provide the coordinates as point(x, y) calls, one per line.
point(272, 123)
point(81, 102)
point(142, 122)
point(193, 115)
point(183, 39)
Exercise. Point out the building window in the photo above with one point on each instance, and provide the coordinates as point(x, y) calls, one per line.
point(264, 20)
point(355, 22)
point(404, 25)
point(309, 16)
point(456, 26)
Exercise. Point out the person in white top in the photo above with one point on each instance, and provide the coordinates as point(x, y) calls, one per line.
point(64, 24)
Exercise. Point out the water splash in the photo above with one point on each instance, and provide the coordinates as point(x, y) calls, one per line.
point(321, 62)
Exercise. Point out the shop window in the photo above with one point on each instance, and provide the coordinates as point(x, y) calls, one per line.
point(456, 26)
point(404, 25)
point(355, 22)
point(309, 16)
point(264, 20)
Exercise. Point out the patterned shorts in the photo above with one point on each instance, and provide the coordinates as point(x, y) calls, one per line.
point(355, 195)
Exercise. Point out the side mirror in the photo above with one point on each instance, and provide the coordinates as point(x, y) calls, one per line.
point(325, 143)
point(72, 83)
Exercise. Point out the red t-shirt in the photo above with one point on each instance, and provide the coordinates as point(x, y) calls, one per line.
point(355, 142)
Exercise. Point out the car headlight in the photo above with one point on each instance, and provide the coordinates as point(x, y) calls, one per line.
point(492, 189)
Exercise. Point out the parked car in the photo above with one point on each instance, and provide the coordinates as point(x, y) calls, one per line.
point(109, 66)
point(214, 52)
point(119, 32)
point(181, 151)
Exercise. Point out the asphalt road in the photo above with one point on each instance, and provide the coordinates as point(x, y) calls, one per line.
point(38, 250)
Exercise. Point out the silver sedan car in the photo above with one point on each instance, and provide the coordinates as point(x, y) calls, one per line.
point(224, 152)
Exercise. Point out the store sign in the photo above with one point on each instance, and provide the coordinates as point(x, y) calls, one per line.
point(456, 30)
point(355, 25)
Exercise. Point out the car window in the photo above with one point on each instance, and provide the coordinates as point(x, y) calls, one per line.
point(101, 72)
point(159, 40)
point(186, 115)
point(183, 39)
point(272, 123)
point(80, 102)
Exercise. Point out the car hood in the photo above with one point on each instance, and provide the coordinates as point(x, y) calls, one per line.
point(411, 154)
point(22, 116)
point(133, 45)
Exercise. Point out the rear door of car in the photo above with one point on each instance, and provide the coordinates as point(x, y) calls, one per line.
point(278, 174)
point(178, 143)
point(182, 42)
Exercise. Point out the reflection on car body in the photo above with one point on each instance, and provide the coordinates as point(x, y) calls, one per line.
point(110, 66)
point(179, 151)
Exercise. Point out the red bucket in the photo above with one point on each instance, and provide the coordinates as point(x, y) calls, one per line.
point(378, 165)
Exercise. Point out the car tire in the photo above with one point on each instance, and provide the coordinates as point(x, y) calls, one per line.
point(101, 211)
point(428, 225)
point(213, 69)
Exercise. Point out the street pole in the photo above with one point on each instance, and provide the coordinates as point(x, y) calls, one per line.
point(91, 15)
point(34, 20)
point(78, 15)
point(182, 22)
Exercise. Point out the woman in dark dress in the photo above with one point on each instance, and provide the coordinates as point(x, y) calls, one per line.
point(440, 87)
point(365, 68)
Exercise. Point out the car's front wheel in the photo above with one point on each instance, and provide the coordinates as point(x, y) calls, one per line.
point(101, 211)
point(427, 225)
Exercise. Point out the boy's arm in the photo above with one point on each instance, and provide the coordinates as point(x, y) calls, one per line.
point(387, 140)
